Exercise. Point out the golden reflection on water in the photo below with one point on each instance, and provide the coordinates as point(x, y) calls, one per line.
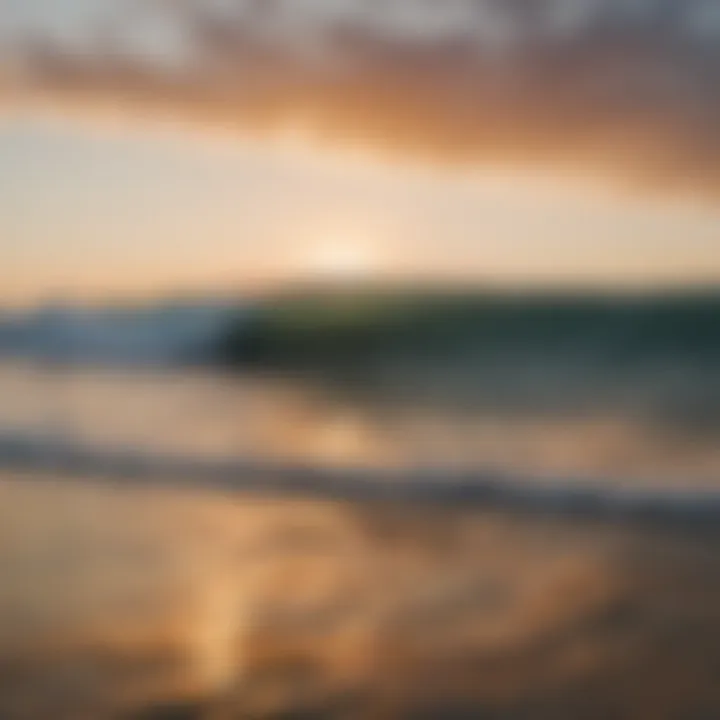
point(209, 414)
point(117, 601)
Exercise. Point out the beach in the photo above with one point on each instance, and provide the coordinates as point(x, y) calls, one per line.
point(153, 602)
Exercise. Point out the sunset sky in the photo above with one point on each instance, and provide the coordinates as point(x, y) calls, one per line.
point(133, 172)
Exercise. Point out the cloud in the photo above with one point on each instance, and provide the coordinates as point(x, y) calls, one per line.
point(628, 89)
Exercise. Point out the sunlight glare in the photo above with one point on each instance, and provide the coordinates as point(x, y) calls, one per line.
point(340, 261)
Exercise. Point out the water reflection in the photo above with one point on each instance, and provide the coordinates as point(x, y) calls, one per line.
point(126, 601)
point(146, 603)
point(254, 416)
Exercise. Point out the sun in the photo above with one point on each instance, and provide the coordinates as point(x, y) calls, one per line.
point(340, 262)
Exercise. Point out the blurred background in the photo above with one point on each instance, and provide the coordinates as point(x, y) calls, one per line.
point(359, 359)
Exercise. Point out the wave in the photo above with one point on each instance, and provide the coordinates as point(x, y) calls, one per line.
point(613, 329)
point(482, 487)
point(167, 333)
point(325, 325)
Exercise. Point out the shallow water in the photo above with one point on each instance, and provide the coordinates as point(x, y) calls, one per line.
point(125, 598)
point(132, 602)
point(208, 414)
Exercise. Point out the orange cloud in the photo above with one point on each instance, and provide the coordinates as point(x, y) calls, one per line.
point(607, 87)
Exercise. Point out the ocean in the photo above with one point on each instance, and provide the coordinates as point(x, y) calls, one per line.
point(515, 536)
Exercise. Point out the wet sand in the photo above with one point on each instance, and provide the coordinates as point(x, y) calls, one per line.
point(129, 602)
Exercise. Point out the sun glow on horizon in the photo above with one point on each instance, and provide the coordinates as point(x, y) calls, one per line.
point(151, 215)
point(339, 261)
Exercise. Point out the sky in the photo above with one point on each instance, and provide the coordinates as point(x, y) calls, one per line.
point(151, 171)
